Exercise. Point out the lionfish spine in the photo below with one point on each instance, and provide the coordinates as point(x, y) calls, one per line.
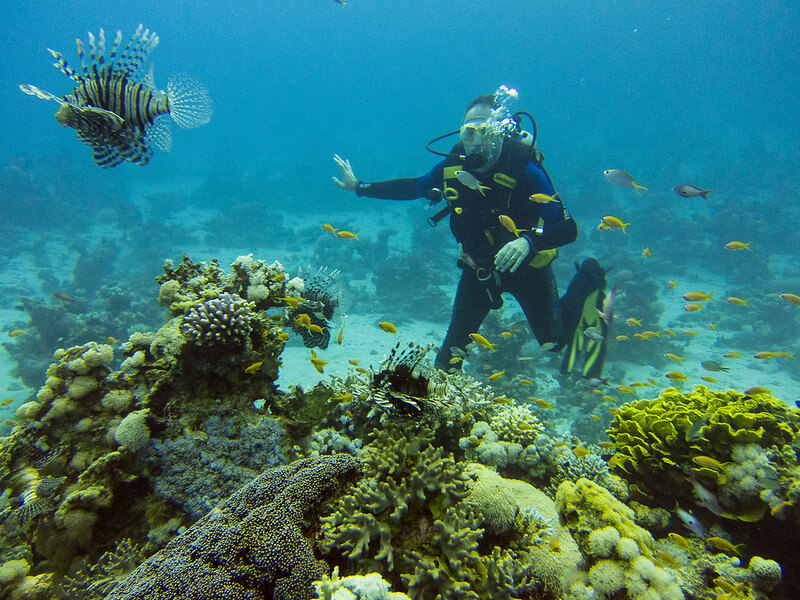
point(62, 66)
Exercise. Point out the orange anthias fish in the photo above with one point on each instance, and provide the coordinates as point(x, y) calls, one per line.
point(509, 224)
point(612, 222)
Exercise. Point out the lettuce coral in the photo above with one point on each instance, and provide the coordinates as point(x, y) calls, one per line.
point(656, 440)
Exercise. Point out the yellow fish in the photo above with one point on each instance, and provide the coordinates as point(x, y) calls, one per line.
point(525, 382)
point(639, 384)
point(724, 545)
point(303, 320)
point(606, 445)
point(596, 417)
point(651, 334)
point(362, 370)
point(673, 357)
point(509, 224)
point(6, 402)
point(580, 451)
point(291, 302)
point(255, 367)
point(614, 223)
point(672, 283)
point(622, 338)
point(542, 403)
point(736, 301)
point(353, 361)
point(713, 326)
point(666, 558)
point(315, 328)
point(543, 198)
point(388, 327)
point(506, 334)
point(736, 245)
point(328, 227)
point(111, 340)
point(752, 391)
point(455, 360)
point(652, 381)
point(318, 363)
point(709, 462)
point(343, 397)
point(675, 376)
point(16, 332)
point(689, 332)
point(633, 322)
point(283, 336)
point(501, 400)
point(608, 399)
point(708, 378)
point(339, 336)
point(625, 389)
point(679, 541)
point(763, 355)
point(646, 253)
point(791, 298)
point(693, 307)
point(668, 331)
point(496, 376)
point(732, 354)
point(347, 235)
point(482, 341)
point(698, 297)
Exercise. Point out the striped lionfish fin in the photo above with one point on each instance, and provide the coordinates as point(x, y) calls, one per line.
point(32, 90)
point(62, 66)
point(135, 52)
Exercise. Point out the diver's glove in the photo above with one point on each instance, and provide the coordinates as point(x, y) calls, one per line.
point(510, 256)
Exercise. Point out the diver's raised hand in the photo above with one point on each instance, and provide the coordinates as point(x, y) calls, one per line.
point(349, 181)
point(510, 256)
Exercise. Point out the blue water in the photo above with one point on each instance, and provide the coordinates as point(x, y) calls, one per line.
point(677, 92)
point(611, 83)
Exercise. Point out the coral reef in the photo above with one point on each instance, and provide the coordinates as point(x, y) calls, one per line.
point(355, 587)
point(616, 550)
point(662, 441)
point(252, 545)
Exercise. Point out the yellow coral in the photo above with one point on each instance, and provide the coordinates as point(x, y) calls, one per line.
point(656, 438)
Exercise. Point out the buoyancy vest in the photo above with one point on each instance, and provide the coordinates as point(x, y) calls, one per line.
point(474, 217)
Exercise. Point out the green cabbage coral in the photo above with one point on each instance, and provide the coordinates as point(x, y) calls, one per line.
point(661, 441)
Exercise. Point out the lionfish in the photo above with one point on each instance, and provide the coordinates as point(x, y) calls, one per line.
point(406, 383)
point(116, 110)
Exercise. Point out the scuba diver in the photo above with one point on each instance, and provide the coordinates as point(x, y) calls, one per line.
point(506, 215)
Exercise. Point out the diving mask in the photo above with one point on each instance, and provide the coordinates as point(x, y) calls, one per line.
point(475, 133)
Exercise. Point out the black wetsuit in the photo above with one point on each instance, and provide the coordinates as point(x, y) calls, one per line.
point(474, 221)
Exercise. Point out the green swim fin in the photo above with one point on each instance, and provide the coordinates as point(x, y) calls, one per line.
point(587, 285)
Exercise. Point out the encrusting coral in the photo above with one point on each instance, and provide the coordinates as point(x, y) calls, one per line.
point(252, 544)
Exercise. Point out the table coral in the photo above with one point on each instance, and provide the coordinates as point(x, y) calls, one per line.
point(252, 545)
